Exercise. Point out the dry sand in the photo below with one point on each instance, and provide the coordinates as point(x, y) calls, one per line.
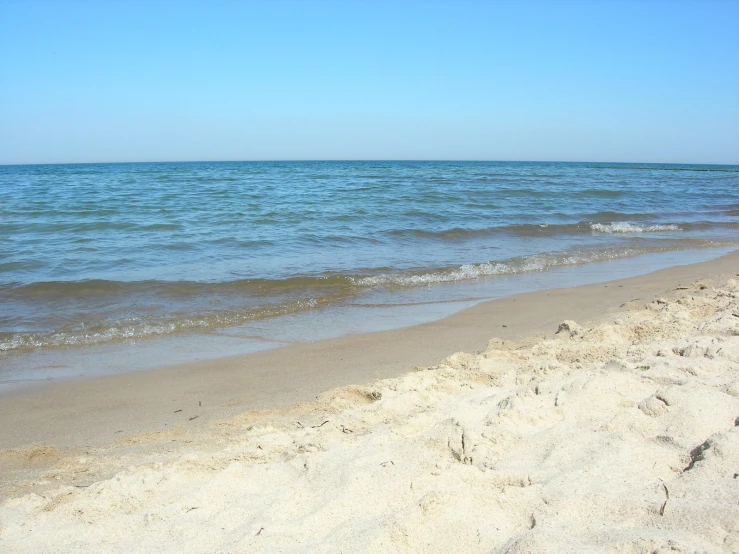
point(619, 433)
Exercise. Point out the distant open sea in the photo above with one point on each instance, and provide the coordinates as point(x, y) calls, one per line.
point(99, 253)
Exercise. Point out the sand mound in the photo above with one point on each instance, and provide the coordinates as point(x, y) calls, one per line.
point(618, 437)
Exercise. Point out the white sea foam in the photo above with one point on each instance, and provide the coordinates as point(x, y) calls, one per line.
point(30, 341)
point(527, 264)
point(40, 340)
point(623, 227)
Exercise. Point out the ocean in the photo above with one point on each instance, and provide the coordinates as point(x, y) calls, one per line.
point(215, 258)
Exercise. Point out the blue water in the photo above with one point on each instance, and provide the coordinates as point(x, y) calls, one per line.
point(99, 253)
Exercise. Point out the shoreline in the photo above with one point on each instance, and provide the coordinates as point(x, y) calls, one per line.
point(100, 410)
point(380, 311)
point(615, 430)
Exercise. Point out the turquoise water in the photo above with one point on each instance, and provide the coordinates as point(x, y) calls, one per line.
point(98, 253)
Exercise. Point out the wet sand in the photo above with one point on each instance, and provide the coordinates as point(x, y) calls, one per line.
point(599, 418)
point(94, 411)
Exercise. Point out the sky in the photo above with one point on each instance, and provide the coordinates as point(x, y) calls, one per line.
point(116, 81)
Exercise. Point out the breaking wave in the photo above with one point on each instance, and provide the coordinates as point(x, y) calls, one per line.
point(624, 227)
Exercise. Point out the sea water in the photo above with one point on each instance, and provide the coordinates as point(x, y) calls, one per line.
point(194, 259)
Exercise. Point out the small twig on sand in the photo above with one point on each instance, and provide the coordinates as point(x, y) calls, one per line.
point(259, 532)
point(667, 495)
point(177, 411)
point(321, 425)
point(193, 417)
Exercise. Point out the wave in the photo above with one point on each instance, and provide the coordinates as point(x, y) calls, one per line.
point(609, 216)
point(518, 265)
point(624, 227)
point(600, 225)
point(85, 290)
point(134, 328)
point(702, 168)
point(93, 312)
point(601, 193)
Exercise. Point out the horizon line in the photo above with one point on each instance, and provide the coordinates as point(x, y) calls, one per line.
point(317, 160)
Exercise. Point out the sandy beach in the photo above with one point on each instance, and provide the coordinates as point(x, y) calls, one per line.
point(601, 418)
point(369, 277)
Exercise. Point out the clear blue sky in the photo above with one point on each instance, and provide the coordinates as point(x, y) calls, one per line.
point(91, 81)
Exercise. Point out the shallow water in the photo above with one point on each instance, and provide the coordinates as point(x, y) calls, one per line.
point(97, 254)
